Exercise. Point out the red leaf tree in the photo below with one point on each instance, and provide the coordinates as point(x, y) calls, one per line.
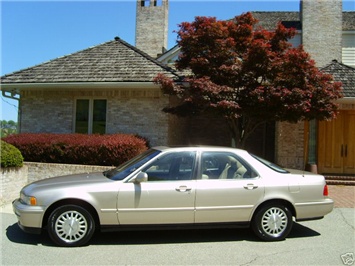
point(248, 76)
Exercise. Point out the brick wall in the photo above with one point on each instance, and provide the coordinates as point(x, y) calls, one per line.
point(46, 111)
point(152, 27)
point(322, 30)
point(141, 116)
point(131, 111)
point(289, 145)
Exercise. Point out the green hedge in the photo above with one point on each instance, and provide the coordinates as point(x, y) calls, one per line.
point(10, 155)
point(106, 150)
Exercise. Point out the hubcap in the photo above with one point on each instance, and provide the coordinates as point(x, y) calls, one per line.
point(71, 226)
point(274, 221)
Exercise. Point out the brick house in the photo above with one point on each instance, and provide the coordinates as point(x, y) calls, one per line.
point(108, 88)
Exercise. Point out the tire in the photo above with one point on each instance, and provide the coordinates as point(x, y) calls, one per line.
point(272, 222)
point(70, 226)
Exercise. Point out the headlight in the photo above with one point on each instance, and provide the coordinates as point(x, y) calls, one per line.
point(29, 200)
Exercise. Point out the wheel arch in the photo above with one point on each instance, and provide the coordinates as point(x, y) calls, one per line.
point(284, 202)
point(71, 201)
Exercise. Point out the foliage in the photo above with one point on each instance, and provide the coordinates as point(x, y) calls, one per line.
point(10, 156)
point(7, 128)
point(111, 150)
point(248, 75)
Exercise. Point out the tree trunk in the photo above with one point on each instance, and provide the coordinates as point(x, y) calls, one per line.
point(241, 128)
point(237, 132)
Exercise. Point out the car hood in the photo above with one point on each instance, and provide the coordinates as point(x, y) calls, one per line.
point(69, 181)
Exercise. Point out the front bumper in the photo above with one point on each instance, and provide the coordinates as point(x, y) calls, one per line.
point(29, 217)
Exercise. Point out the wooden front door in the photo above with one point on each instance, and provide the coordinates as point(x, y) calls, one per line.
point(336, 144)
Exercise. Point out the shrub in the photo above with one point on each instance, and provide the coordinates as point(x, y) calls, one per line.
point(109, 150)
point(10, 156)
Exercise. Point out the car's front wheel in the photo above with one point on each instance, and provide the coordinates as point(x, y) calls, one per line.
point(71, 226)
point(272, 222)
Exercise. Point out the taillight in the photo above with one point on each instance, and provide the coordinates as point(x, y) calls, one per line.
point(325, 191)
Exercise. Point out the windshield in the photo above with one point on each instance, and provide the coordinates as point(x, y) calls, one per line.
point(271, 165)
point(130, 166)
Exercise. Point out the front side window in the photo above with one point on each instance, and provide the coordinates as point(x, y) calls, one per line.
point(224, 165)
point(90, 116)
point(127, 168)
point(172, 166)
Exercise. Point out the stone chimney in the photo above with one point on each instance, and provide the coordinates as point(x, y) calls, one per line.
point(322, 29)
point(152, 26)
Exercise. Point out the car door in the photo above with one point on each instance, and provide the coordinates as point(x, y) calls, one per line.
point(227, 189)
point(168, 195)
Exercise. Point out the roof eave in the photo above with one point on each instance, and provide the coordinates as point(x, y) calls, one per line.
point(78, 85)
point(346, 100)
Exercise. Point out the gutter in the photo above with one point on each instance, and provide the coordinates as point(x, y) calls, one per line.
point(78, 85)
point(13, 94)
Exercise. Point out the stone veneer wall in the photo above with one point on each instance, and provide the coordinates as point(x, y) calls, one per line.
point(13, 179)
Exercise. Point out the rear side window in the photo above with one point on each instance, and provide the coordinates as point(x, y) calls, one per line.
point(224, 165)
point(271, 165)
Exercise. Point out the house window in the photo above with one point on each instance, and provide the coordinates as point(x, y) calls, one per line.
point(90, 116)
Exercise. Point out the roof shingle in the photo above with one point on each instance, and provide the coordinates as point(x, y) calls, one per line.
point(113, 61)
point(269, 20)
point(343, 73)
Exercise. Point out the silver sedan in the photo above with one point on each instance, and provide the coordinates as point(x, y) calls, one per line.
point(172, 188)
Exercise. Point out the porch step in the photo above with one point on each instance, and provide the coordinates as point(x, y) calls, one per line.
point(340, 180)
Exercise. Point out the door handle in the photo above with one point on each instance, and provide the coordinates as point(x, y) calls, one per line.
point(250, 186)
point(342, 151)
point(183, 189)
point(346, 150)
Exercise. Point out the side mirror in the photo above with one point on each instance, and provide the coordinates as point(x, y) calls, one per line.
point(141, 177)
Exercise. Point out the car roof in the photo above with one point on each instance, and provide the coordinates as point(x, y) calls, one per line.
point(199, 148)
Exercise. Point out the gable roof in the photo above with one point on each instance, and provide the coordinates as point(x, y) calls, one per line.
point(269, 20)
point(343, 73)
point(113, 61)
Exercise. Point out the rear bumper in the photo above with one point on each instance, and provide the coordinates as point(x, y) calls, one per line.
point(29, 217)
point(313, 210)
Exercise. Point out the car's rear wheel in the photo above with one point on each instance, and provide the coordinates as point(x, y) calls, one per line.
point(272, 222)
point(70, 226)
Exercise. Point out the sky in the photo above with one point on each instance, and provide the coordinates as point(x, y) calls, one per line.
point(33, 32)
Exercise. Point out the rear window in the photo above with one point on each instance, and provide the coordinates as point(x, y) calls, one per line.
point(271, 165)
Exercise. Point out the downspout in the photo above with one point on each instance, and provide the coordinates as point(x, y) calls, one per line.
point(14, 95)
